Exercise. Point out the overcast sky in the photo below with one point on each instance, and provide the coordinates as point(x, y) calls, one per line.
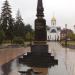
point(64, 11)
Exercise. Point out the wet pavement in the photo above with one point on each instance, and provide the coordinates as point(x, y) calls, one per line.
point(8, 54)
point(66, 63)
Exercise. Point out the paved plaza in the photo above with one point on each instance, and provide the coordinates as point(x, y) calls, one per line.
point(66, 62)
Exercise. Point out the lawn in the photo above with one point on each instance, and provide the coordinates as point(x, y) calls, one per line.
point(69, 43)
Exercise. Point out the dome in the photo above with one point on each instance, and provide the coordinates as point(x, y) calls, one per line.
point(53, 18)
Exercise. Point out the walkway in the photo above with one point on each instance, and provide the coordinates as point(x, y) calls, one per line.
point(66, 59)
point(8, 54)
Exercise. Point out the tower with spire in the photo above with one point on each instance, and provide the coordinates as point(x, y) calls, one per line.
point(53, 32)
point(53, 21)
point(40, 23)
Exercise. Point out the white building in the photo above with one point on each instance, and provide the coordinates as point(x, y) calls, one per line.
point(53, 32)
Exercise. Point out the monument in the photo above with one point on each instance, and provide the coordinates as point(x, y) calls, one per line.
point(40, 45)
point(40, 24)
point(39, 55)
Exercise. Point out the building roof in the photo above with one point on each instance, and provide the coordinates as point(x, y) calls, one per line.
point(58, 28)
point(63, 31)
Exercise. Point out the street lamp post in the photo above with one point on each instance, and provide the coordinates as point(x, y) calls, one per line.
point(74, 28)
point(66, 45)
point(66, 35)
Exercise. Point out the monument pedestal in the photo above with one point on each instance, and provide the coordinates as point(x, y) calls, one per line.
point(39, 49)
point(39, 57)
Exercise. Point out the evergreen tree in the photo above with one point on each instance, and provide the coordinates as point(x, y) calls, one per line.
point(1, 33)
point(19, 27)
point(28, 28)
point(7, 20)
point(0, 23)
point(29, 32)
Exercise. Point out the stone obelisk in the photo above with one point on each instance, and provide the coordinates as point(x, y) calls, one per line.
point(40, 24)
point(40, 45)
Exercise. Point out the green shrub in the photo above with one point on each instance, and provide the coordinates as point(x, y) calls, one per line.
point(18, 40)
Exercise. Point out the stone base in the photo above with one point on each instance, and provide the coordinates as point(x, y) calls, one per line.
point(39, 49)
point(38, 57)
point(34, 60)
